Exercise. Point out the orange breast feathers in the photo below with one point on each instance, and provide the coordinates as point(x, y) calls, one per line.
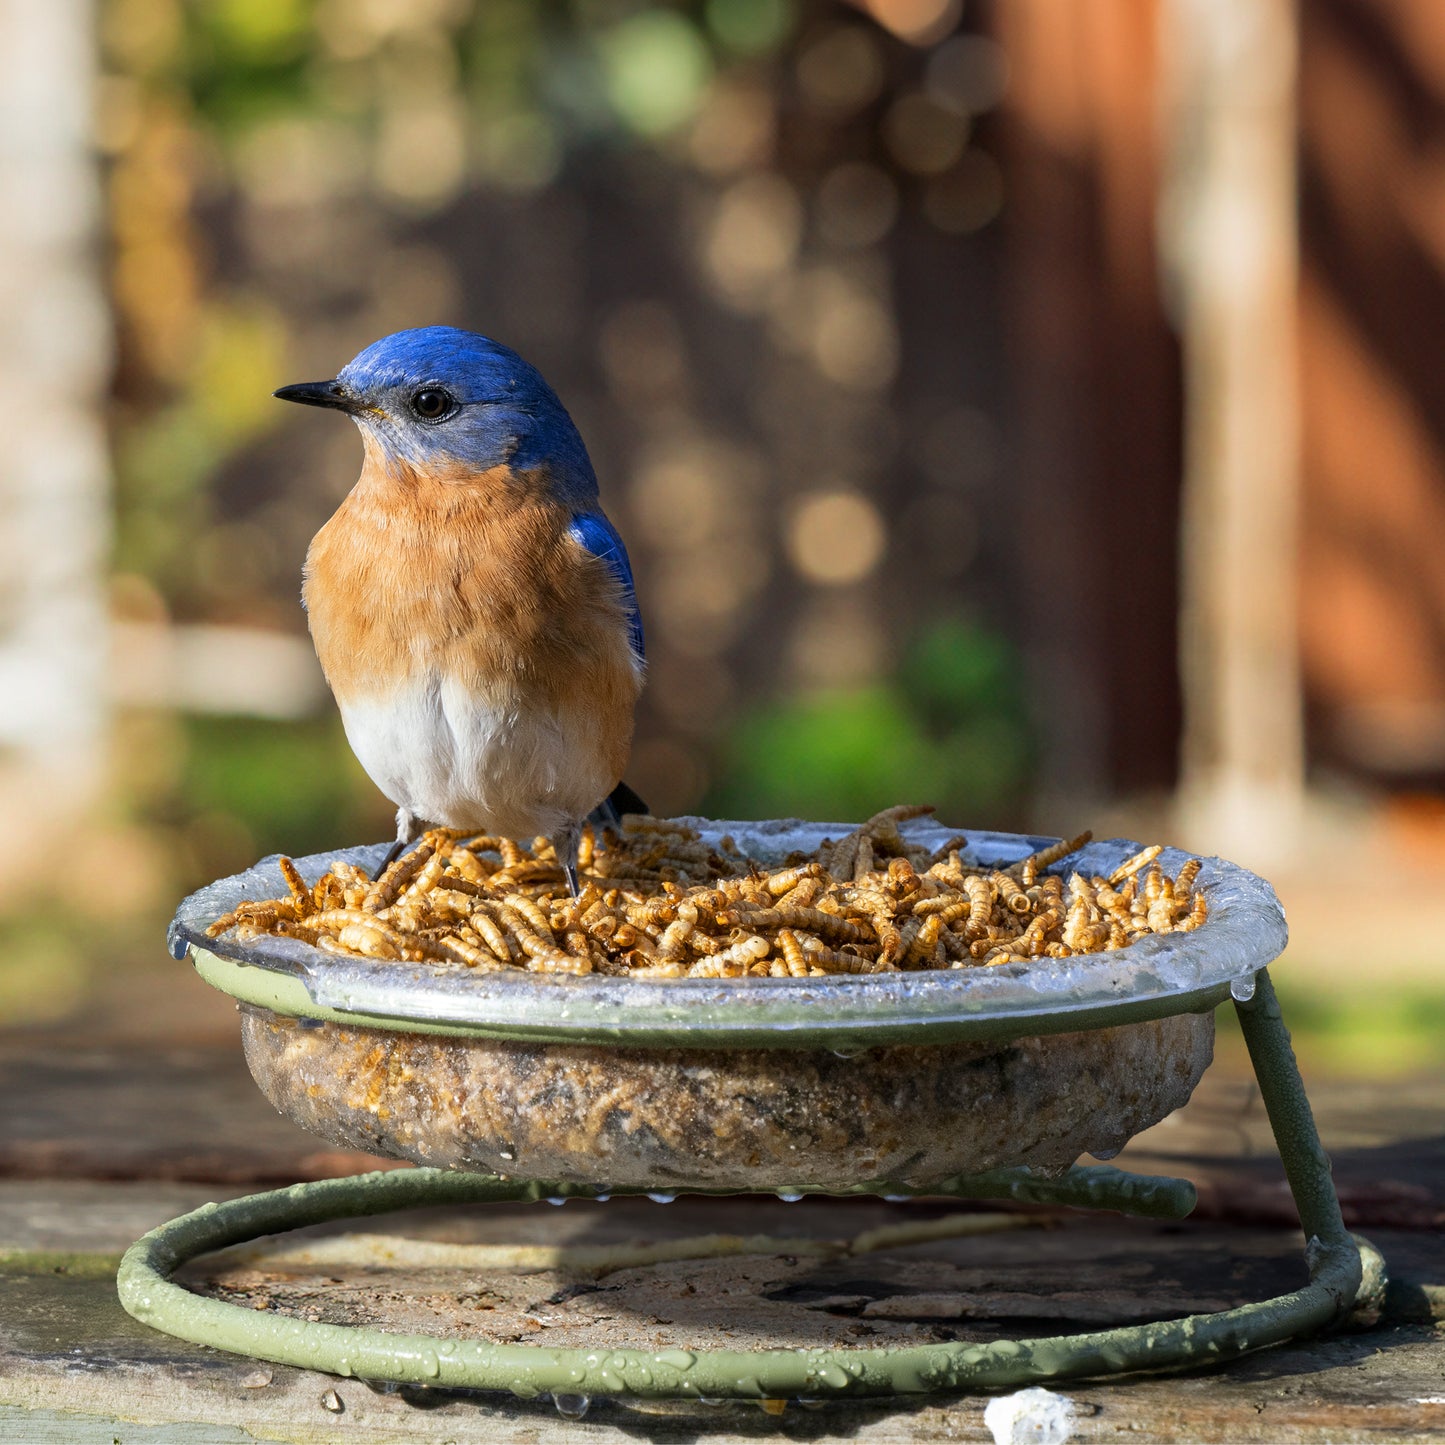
point(474, 581)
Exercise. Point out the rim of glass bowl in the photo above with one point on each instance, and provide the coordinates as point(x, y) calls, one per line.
point(1157, 976)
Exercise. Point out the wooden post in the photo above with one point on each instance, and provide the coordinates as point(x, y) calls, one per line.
point(54, 475)
point(1231, 240)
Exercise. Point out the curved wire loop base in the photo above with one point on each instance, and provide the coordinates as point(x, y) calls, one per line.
point(1333, 1256)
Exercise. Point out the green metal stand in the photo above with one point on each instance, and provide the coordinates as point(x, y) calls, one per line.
point(1334, 1258)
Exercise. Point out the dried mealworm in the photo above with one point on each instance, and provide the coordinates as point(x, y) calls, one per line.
point(1132, 865)
point(300, 893)
point(384, 892)
point(873, 901)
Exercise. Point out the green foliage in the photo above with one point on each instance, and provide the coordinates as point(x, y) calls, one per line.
point(751, 27)
point(165, 465)
point(656, 66)
point(290, 787)
point(948, 727)
point(1381, 1033)
point(245, 61)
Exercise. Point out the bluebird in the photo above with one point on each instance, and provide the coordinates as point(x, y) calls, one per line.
point(472, 607)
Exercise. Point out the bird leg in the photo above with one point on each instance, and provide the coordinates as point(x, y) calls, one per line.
point(565, 843)
point(407, 827)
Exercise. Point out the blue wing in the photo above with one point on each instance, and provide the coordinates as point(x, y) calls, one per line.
point(595, 533)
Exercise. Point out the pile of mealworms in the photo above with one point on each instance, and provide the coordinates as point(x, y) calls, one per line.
point(659, 901)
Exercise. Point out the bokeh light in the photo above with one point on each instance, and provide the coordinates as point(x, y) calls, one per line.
point(836, 538)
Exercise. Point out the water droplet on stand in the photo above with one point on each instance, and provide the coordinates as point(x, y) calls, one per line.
point(571, 1407)
point(1242, 989)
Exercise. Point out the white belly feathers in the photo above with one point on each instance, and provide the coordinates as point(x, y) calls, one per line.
point(437, 750)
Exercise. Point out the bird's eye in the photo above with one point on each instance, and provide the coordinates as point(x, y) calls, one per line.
point(431, 402)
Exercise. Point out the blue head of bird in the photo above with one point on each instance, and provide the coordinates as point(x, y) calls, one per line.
point(441, 398)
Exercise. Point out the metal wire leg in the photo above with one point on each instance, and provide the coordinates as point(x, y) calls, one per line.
point(1334, 1260)
point(1331, 1253)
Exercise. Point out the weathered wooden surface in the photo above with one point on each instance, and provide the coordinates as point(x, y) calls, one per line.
point(97, 1148)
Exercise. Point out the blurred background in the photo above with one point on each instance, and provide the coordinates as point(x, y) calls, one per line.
point(1029, 408)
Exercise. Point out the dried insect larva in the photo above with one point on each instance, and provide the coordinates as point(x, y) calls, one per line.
point(922, 946)
point(830, 924)
point(533, 944)
point(1032, 939)
point(820, 956)
point(1107, 897)
point(980, 904)
point(785, 879)
point(489, 931)
point(300, 893)
point(1082, 891)
point(528, 870)
point(478, 901)
point(1161, 914)
point(795, 965)
point(533, 915)
point(629, 936)
point(954, 846)
point(803, 894)
point(1153, 886)
point(1011, 895)
point(469, 954)
point(899, 813)
point(746, 951)
point(298, 931)
point(1198, 912)
point(956, 911)
point(1132, 865)
point(427, 877)
point(555, 961)
point(840, 861)
point(890, 938)
point(368, 940)
point(674, 937)
point(328, 892)
point(1028, 869)
point(902, 877)
point(385, 891)
point(262, 916)
point(347, 874)
point(643, 823)
point(333, 920)
point(471, 867)
point(1000, 953)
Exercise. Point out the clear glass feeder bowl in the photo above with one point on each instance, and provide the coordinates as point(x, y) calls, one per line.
point(755, 1083)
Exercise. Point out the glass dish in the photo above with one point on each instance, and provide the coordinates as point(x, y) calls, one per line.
point(741, 1083)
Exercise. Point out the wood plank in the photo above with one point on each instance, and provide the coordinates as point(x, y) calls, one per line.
point(141, 1134)
point(68, 1352)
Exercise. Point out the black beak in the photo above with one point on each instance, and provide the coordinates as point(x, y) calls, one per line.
point(320, 393)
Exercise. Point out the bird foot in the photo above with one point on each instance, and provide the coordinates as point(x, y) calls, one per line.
point(407, 827)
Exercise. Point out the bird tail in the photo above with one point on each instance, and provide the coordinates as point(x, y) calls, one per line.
point(608, 813)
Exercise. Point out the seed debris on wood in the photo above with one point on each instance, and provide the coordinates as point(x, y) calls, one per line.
point(659, 901)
